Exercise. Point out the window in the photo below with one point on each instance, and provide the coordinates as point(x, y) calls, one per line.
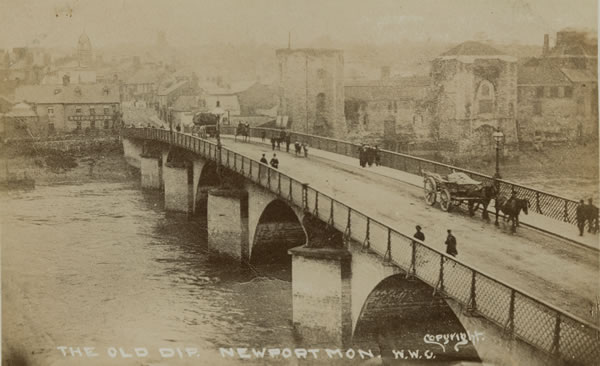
point(568, 91)
point(486, 106)
point(485, 90)
point(539, 92)
point(106, 110)
point(50, 128)
point(106, 124)
point(78, 125)
point(78, 91)
point(580, 107)
point(50, 111)
point(92, 124)
point(78, 110)
point(92, 111)
point(537, 108)
point(554, 92)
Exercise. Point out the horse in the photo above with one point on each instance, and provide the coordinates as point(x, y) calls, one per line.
point(241, 130)
point(485, 195)
point(511, 209)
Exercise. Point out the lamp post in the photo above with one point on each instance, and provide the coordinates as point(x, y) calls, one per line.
point(498, 137)
point(218, 111)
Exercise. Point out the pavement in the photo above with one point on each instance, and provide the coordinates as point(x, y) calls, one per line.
point(549, 267)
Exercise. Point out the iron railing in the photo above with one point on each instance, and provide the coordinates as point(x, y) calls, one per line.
point(558, 334)
point(543, 203)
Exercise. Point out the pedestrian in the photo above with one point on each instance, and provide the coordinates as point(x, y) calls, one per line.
point(581, 216)
point(419, 234)
point(362, 155)
point(273, 143)
point(592, 216)
point(370, 156)
point(297, 147)
point(377, 156)
point(305, 148)
point(178, 128)
point(264, 159)
point(274, 161)
point(287, 142)
point(263, 135)
point(279, 143)
point(451, 244)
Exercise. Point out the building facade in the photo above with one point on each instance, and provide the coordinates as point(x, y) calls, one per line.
point(74, 108)
point(311, 90)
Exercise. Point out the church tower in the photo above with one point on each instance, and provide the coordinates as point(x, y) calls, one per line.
point(84, 51)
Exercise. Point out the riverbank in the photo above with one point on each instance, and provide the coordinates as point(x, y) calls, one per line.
point(103, 162)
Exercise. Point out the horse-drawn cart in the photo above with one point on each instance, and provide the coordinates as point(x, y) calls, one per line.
point(451, 190)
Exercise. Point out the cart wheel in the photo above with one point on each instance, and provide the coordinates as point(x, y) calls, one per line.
point(430, 188)
point(445, 200)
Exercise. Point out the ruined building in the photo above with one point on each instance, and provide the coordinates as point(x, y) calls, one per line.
point(311, 90)
point(473, 92)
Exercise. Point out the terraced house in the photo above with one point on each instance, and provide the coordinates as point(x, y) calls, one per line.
point(71, 108)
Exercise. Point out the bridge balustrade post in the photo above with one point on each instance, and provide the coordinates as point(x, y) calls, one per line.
point(290, 196)
point(330, 222)
point(537, 202)
point(509, 327)
point(348, 231)
point(367, 242)
point(556, 339)
point(316, 210)
point(412, 270)
point(439, 287)
point(472, 304)
point(387, 257)
point(278, 184)
point(566, 212)
point(305, 196)
point(269, 178)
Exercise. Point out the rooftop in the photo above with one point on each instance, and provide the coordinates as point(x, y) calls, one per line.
point(472, 48)
point(70, 94)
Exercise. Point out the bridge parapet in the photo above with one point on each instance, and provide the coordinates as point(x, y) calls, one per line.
point(520, 316)
point(544, 203)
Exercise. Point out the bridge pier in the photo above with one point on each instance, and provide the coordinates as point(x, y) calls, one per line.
point(321, 296)
point(176, 188)
point(227, 223)
point(150, 171)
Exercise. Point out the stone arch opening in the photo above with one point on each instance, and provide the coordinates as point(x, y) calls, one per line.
point(277, 231)
point(208, 179)
point(403, 314)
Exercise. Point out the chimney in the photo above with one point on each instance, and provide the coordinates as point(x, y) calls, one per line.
point(66, 79)
point(385, 72)
point(546, 49)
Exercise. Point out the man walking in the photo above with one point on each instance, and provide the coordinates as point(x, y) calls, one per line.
point(419, 234)
point(288, 141)
point(451, 244)
point(273, 143)
point(581, 216)
point(274, 161)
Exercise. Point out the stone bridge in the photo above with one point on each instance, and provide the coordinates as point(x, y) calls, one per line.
point(355, 282)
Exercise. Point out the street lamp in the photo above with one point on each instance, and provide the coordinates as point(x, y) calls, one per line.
point(498, 137)
point(218, 111)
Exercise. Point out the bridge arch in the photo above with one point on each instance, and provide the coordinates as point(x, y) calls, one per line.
point(208, 179)
point(278, 229)
point(399, 313)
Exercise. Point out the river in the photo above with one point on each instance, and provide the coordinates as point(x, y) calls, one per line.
point(102, 265)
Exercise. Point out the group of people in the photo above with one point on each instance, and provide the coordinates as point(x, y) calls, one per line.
point(368, 155)
point(450, 241)
point(276, 141)
point(587, 213)
point(274, 161)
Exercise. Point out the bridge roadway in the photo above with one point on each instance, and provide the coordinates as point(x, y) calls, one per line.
point(543, 265)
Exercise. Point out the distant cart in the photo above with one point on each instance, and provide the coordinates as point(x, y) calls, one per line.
point(450, 190)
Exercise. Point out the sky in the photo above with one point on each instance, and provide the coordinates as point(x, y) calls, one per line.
point(198, 22)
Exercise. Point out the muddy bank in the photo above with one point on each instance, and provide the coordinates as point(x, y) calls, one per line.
point(48, 166)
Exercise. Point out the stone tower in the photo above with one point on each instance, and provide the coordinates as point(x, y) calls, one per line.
point(311, 90)
point(475, 89)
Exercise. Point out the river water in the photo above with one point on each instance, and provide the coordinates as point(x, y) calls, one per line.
point(102, 265)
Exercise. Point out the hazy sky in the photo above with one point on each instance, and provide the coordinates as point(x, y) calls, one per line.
point(189, 22)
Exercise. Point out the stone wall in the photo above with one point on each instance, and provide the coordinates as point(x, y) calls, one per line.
point(308, 77)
